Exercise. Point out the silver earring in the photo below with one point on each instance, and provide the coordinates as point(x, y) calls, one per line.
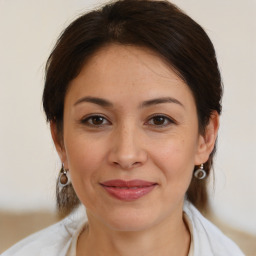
point(200, 173)
point(64, 178)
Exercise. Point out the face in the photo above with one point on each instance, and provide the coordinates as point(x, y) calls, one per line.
point(130, 138)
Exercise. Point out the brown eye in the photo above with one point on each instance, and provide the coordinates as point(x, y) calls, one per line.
point(160, 120)
point(95, 121)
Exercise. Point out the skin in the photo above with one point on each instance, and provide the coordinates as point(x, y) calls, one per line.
point(129, 143)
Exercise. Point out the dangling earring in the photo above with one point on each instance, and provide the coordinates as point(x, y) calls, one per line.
point(200, 173)
point(64, 178)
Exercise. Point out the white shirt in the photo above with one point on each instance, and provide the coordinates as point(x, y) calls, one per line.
point(60, 239)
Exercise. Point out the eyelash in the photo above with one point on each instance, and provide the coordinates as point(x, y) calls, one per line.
point(169, 121)
point(166, 119)
point(87, 119)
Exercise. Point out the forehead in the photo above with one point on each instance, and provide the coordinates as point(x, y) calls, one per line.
point(119, 70)
point(129, 59)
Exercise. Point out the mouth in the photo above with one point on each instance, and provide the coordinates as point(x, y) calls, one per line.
point(128, 190)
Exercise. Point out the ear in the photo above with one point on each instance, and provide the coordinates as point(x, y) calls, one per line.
point(207, 140)
point(59, 145)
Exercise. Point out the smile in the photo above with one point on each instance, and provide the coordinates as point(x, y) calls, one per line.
point(128, 190)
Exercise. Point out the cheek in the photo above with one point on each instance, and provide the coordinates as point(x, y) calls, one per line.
point(175, 157)
point(84, 158)
point(83, 150)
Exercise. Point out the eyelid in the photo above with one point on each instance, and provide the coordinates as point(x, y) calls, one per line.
point(170, 120)
point(84, 120)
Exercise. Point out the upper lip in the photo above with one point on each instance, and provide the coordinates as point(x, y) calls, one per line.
point(128, 183)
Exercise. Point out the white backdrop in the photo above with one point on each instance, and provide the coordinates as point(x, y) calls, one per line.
point(28, 162)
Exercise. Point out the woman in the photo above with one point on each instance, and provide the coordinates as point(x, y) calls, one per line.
point(133, 97)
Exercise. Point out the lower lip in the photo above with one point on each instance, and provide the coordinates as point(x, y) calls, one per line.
point(128, 194)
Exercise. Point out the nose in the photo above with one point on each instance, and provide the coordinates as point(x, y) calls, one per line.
point(126, 149)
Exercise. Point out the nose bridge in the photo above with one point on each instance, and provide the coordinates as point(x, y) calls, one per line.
point(127, 151)
point(126, 142)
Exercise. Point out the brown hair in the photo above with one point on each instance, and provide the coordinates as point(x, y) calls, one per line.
point(158, 25)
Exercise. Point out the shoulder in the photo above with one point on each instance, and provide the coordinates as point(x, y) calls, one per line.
point(207, 238)
point(52, 241)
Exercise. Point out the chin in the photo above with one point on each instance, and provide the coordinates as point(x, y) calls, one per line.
point(130, 220)
point(128, 226)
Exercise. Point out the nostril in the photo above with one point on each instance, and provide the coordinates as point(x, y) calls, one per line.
point(126, 165)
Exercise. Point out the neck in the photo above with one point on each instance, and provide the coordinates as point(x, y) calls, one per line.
point(170, 237)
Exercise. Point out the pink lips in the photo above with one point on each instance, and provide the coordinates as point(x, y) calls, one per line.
point(128, 190)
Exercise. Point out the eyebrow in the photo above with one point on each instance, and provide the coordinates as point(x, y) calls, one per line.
point(147, 103)
point(95, 100)
point(160, 101)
